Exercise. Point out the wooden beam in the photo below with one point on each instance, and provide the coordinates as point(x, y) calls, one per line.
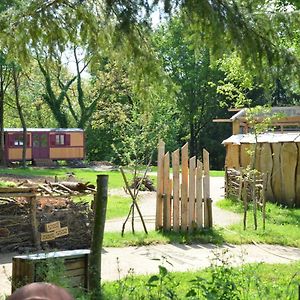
point(222, 121)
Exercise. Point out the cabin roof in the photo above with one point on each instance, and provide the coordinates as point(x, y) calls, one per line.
point(269, 137)
point(43, 129)
point(288, 111)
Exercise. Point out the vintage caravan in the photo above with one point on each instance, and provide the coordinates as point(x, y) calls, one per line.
point(44, 144)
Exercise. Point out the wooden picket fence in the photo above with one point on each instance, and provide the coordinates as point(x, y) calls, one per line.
point(183, 202)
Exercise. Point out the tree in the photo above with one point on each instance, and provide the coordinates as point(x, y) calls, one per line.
point(16, 79)
point(252, 27)
point(190, 70)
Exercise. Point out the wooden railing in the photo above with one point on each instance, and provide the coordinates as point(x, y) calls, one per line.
point(183, 199)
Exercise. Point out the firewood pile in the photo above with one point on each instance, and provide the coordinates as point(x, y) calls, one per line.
point(146, 184)
point(53, 205)
point(235, 182)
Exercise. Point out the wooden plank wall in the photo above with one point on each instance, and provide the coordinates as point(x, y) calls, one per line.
point(281, 161)
point(183, 201)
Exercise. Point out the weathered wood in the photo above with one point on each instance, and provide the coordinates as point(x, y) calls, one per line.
point(184, 187)
point(48, 236)
point(34, 223)
point(52, 226)
point(133, 197)
point(176, 187)
point(192, 193)
point(297, 200)
point(276, 179)
point(25, 268)
point(206, 188)
point(245, 202)
point(15, 190)
point(266, 167)
point(63, 231)
point(245, 158)
point(45, 188)
point(206, 170)
point(167, 195)
point(232, 156)
point(97, 239)
point(289, 157)
point(199, 195)
point(160, 185)
point(205, 201)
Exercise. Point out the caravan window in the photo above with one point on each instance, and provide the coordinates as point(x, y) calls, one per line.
point(60, 139)
point(18, 140)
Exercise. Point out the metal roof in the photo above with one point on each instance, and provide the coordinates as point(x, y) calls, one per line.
point(288, 111)
point(269, 137)
point(43, 129)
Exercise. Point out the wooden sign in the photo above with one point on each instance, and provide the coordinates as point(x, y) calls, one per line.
point(61, 232)
point(48, 236)
point(50, 227)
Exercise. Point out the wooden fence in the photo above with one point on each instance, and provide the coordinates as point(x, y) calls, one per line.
point(183, 199)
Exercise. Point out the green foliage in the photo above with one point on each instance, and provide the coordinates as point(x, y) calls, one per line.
point(190, 69)
point(220, 281)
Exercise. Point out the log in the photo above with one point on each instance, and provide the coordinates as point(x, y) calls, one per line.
point(266, 167)
point(289, 157)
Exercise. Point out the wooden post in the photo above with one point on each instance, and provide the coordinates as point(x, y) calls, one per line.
point(206, 188)
point(184, 187)
point(97, 238)
point(160, 185)
point(209, 210)
point(191, 218)
point(176, 185)
point(199, 210)
point(167, 195)
point(226, 183)
point(263, 196)
point(34, 223)
point(245, 201)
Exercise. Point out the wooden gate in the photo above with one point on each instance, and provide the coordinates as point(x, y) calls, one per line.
point(183, 199)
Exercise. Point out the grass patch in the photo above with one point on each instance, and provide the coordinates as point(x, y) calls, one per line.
point(117, 206)
point(282, 225)
point(114, 239)
point(7, 184)
point(82, 174)
point(251, 281)
point(217, 173)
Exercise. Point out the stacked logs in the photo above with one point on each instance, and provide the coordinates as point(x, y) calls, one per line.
point(21, 226)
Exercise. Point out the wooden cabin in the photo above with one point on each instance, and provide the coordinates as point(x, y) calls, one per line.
point(45, 144)
point(278, 153)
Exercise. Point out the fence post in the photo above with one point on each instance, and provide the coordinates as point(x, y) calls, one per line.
point(184, 187)
point(199, 195)
point(176, 187)
point(97, 238)
point(160, 185)
point(206, 189)
point(192, 167)
point(167, 194)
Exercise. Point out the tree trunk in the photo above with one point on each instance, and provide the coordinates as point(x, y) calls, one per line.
point(2, 149)
point(16, 79)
